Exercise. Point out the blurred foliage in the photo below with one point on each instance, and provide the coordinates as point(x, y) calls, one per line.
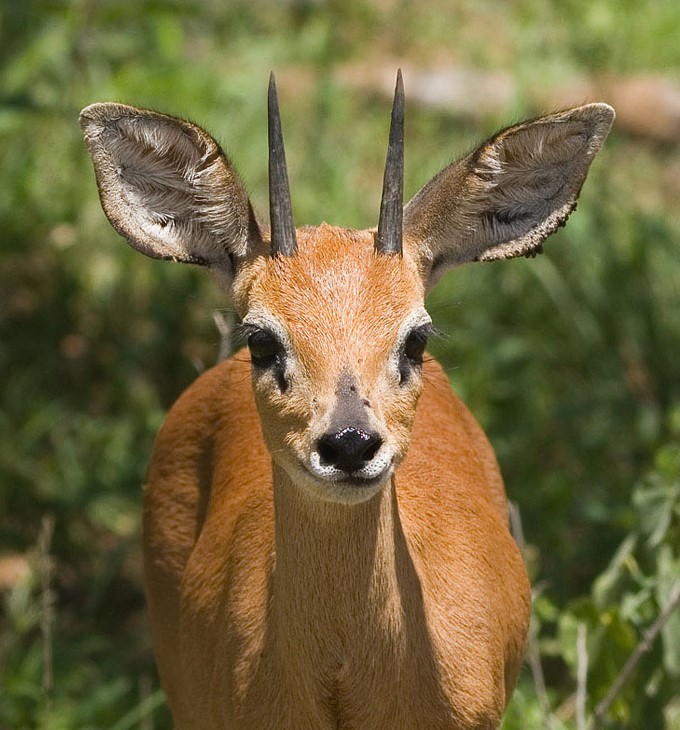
point(625, 600)
point(569, 361)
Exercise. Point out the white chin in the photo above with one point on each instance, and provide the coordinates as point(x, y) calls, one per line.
point(339, 487)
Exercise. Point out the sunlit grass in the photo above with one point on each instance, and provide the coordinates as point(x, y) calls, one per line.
point(569, 361)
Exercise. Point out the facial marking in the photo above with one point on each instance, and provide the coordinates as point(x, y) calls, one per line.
point(349, 409)
point(270, 346)
point(340, 302)
point(418, 321)
point(343, 316)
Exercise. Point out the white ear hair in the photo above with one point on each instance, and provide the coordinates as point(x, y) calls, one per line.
point(505, 198)
point(167, 187)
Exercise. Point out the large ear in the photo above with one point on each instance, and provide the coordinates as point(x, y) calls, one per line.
point(505, 198)
point(167, 187)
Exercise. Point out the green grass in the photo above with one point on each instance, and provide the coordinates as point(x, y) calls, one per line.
point(569, 361)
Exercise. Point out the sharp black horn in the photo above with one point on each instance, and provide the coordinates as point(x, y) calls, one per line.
point(283, 239)
point(390, 225)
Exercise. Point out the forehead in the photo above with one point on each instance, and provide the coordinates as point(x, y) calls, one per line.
point(337, 290)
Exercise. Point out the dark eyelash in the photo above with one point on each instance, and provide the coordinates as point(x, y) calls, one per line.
point(425, 331)
point(243, 330)
point(432, 332)
point(412, 350)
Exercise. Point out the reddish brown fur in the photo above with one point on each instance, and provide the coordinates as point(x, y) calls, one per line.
point(294, 583)
point(407, 610)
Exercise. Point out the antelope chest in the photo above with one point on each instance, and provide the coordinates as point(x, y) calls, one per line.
point(366, 659)
point(378, 685)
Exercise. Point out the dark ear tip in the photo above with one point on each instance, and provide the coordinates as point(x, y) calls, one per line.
point(597, 118)
point(600, 109)
point(86, 115)
point(97, 113)
point(604, 116)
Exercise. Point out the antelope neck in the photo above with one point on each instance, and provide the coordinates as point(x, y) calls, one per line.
point(338, 565)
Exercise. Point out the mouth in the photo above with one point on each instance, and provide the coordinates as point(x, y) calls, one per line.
point(376, 472)
point(349, 479)
point(345, 487)
point(359, 482)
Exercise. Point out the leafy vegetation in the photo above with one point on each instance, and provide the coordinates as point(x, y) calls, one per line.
point(570, 361)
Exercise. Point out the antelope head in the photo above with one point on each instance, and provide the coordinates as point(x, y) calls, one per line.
point(335, 318)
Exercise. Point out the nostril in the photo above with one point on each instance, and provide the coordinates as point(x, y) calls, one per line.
point(372, 449)
point(348, 449)
point(327, 451)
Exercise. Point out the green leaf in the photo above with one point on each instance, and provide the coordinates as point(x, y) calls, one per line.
point(668, 577)
point(608, 585)
point(655, 500)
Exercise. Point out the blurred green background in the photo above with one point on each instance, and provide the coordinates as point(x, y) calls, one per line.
point(571, 361)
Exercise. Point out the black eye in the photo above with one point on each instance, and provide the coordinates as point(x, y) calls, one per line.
point(412, 352)
point(265, 349)
point(415, 345)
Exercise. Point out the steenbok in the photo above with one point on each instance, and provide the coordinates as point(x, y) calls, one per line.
point(325, 526)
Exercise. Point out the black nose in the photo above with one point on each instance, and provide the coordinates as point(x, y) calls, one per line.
point(348, 449)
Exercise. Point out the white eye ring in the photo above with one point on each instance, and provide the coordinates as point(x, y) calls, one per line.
point(417, 319)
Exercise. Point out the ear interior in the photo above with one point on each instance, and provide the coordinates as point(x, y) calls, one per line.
point(167, 187)
point(510, 194)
